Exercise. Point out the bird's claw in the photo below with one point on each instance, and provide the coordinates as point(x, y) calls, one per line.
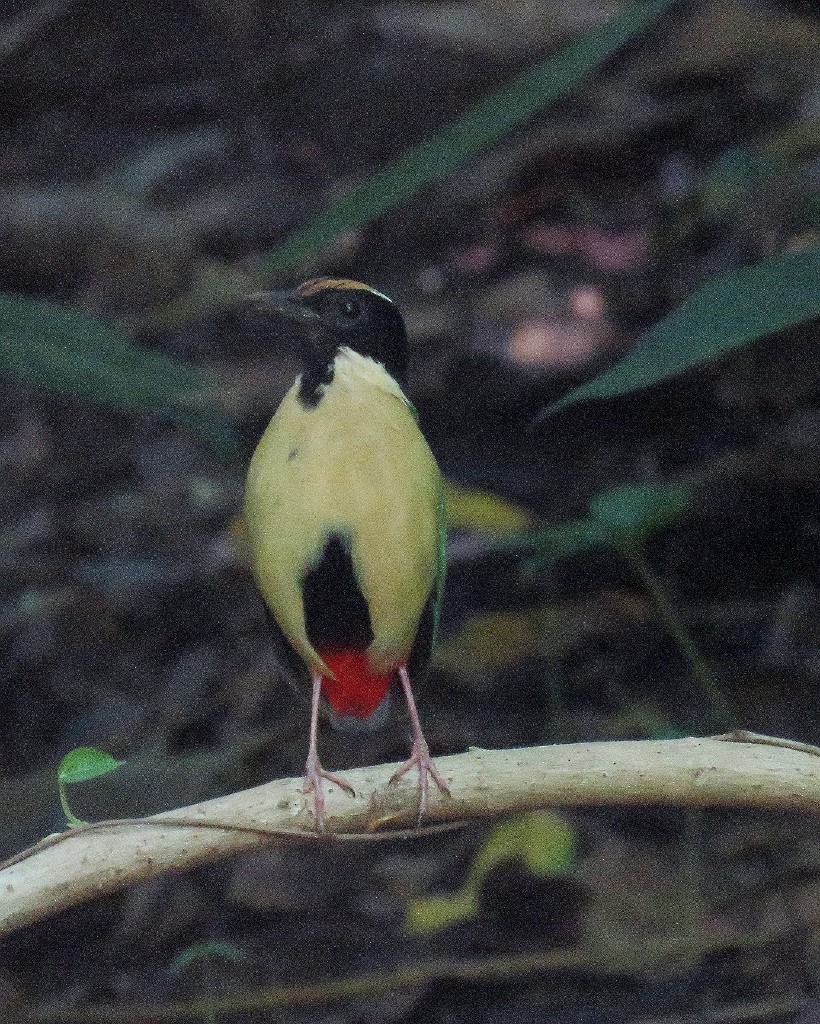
point(314, 773)
point(420, 758)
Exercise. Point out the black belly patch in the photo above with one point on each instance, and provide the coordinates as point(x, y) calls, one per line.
point(336, 614)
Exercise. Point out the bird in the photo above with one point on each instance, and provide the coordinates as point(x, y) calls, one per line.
point(344, 516)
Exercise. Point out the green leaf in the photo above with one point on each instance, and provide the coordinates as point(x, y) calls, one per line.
point(554, 542)
point(428, 914)
point(628, 515)
point(52, 346)
point(541, 840)
point(733, 174)
point(478, 129)
point(468, 508)
point(85, 763)
point(741, 170)
point(623, 516)
point(80, 765)
point(210, 949)
point(722, 315)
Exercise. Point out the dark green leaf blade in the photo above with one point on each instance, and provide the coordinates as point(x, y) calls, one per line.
point(478, 129)
point(551, 543)
point(629, 515)
point(722, 315)
point(52, 346)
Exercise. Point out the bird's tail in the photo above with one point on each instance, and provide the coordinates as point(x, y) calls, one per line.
point(357, 697)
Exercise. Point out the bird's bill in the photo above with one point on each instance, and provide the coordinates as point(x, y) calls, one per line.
point(281, 303)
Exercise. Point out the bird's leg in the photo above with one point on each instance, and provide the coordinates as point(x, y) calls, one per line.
point(420, 754)
point(314, 772)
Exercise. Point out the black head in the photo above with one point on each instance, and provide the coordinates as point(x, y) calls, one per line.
point(337, 312)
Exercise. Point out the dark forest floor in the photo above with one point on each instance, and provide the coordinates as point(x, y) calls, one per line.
point(147, 157)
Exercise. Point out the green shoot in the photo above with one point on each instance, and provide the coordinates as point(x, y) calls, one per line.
point(541, 840)
point(80, 765)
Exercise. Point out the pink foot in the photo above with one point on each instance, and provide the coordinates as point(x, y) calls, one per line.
point(420, 758)
point(314, 773)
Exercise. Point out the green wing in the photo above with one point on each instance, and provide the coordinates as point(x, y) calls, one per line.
point(430, 616)
point(441, 563)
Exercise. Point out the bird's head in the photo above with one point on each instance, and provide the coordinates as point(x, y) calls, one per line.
point(331, 313)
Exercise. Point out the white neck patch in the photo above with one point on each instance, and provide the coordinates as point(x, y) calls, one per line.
point(352, 366)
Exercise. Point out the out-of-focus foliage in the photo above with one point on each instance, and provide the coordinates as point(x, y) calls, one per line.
point(491, 641)
point(543, 842)
point(53, 346)
point(199, 952)
point(629, 515)
point(623, 517)
point(722, 315)
point(475, 132)
point(482, 512)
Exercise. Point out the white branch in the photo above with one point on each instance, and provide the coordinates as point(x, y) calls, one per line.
point(76, 866)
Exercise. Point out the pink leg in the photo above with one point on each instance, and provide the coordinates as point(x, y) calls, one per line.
point(314, 772)
point(420, 754)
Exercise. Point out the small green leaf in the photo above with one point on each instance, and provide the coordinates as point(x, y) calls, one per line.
point(736, 171)
point(722, 315)
point(628, 515)
point(542, 840)
point(429, 914)
point(85, 763)
point(210, 949)
point(623, 516)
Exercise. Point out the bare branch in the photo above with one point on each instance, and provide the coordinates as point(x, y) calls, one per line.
point(723, 771)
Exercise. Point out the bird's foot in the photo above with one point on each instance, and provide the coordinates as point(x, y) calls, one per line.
point(314, 773)
point(420, 758)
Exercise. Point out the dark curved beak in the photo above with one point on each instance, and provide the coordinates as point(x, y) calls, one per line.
point(281, 303)
point(310, 340)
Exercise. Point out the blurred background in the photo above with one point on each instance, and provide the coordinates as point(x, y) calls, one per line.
point(642, 567)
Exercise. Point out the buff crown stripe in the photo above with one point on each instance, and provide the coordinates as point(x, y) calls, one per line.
point(321, 284)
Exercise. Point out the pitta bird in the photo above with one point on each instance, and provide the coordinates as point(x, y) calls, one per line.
point(345, 520)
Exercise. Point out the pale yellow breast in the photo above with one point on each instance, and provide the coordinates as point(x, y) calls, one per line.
point(359, 466)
